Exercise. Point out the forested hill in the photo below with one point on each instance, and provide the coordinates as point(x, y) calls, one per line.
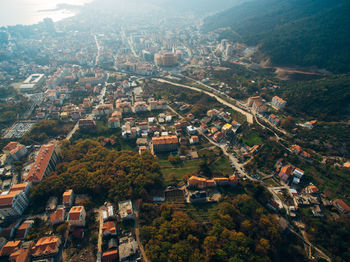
point(292, 32)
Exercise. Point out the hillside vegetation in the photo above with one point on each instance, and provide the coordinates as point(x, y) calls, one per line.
point(292, 32)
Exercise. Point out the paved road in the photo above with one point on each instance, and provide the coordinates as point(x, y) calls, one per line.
point(98, 50)
point(137, 231)
point(250, 118)
point(99, 241)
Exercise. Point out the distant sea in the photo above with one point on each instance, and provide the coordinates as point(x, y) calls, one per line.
point(27, 12)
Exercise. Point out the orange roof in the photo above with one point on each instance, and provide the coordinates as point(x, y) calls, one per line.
point(21, 231)
point(46, 246)
point(6, 200)
point(221, 179)
point(287, 169)
point(193, 179)
point(22, 255)
point(342, 204)
point(164, 140)
point(58, 215)
point(18, 187)
point(110, 255)
point(109, 226)
point(210, 183)
point(10, 247)
point(10, 146)
point(279, 99)
point(37, 171)
point(74, 213)
point(234, 178)
point(66, 196)
point(347, 164)
point(297, 148)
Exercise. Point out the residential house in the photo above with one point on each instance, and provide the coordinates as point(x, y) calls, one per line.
point(165, 144)
point(342, 207)
point(46, 249)
point(44, 164)
point(252, 99)
point(57, 217)
point(259, 107)
point(77, 216)
point(197, 182)
point(15, 151)
point(10, 247)
point(286, 172)
point(13, 203)
point(274, 120)
point(127, 249)
point(126, 210)
point(113, 122)
point(110, 256)
point(109, 229)
point(218, 136)
point(68, 198)
point(23, 230)
point(311, 189)
point(194, 140)
point(278, 102)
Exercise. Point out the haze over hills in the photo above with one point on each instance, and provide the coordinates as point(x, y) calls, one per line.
point(297, 32)
point(161, 7)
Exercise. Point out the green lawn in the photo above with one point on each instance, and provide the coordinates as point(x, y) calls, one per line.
point(252, 139)
point(179, 172)
point(223, 166)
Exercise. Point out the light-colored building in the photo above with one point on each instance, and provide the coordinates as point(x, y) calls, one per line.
point(13, 203)
point(278, 102)
point(77, 216)
point(259, 107)
point(127, 249)
point(166, 59)
point(32, 82)
point(15, 150)
point(164, 144)
point(126, 210)
point(114, 122)
point(45, 163)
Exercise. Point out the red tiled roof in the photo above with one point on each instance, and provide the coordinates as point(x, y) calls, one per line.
point(10, 247)
point(21, 255)
point(37, 171)
point(46, 246)
point(18, 187)
point(164, 140)
point(10, 146)
point(6, 200)
point(74, 213)
point(279, 99)
point(342, 204)
point(21, 230)
point(66, 196)
point(109, 227)
point(58, 215)
point(110, 255)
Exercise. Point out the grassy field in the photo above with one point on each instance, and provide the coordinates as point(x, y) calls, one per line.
point(169, 171)
point(252, 139)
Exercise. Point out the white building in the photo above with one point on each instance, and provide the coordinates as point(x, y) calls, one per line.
point(126, 210)
point(13, 203)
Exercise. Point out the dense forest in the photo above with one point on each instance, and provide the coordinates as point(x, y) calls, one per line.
point(239, 230)
point(88, 168)
point(297, 32)
point(324, 99)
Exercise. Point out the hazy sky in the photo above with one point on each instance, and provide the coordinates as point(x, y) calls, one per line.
point(27, 11)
